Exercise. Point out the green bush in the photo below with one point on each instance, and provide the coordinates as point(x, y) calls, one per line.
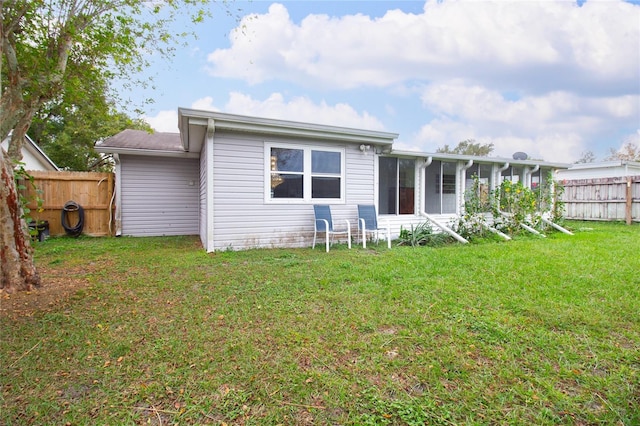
point(422, 235)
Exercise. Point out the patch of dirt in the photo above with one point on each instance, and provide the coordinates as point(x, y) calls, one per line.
point(58, 286)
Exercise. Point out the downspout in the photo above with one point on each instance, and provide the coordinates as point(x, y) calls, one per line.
point(549, 222)
point(489, 228)
point(424, 214)
point(498, 173)
point(117, 197)
point(523, 225)
point(531, 172)
point(422, 193)
point(422, 176)
point(209, 185)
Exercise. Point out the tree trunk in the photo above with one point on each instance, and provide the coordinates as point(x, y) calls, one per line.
point(17, 269)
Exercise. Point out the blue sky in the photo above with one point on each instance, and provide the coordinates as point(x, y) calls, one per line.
point(550, 78)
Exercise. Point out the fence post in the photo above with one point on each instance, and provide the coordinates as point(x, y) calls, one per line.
point(629, 200)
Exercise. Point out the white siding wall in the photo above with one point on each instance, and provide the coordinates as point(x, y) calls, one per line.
point(242, 217)
point(31, 161)
point(160, 196)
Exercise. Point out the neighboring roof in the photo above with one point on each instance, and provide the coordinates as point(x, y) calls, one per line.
point(37, 154)
point(602, 169)
point(606, 165)
point(142, 142)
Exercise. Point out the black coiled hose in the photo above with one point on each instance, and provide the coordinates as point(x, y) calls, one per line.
point(72, 206)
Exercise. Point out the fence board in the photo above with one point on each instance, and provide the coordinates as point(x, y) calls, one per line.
point(93, 191)
point(603, 198)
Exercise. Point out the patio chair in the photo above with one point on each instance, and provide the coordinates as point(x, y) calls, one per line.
point(324, 223)
point(368, 222)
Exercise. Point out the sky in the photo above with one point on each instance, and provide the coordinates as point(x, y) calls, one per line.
point(553, 79)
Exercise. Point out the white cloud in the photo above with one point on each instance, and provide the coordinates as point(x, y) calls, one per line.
point(167, 120)
point(552, 126)
point(275, 106)
point(205, 104)
point(538, 45)
point(164, 121)
point(545, 77)
point(301, 109)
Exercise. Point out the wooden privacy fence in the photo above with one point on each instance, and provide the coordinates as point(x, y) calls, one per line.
point(92, 191)
point(603, 199)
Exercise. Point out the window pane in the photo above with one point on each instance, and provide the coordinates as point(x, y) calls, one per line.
point(325, 162)
point(286, 186)
point(287, 160)
point(325, 187)
point(388, 177)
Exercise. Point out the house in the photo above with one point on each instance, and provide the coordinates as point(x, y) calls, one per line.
point(33, 157)
point(243, 182)
point(608, 190)
point(602, 169)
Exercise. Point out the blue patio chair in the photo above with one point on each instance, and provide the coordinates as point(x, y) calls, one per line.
point(324, 223)
point(368, 222)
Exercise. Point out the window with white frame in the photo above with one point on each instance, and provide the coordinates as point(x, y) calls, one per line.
point(304, 174)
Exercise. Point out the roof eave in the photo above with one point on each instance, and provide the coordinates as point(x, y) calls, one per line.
point(239, 123)
point(146, 152)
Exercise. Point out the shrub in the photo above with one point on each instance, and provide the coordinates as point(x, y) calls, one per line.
point(422, 235)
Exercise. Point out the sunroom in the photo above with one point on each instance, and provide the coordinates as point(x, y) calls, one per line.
point(415, 187)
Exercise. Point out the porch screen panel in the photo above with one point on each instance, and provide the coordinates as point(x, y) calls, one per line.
point(512, 173)
point(472, 171)
point(388, 175)
point(432, 200)
point(448, 187)
point(407, 186)
point(440, 188)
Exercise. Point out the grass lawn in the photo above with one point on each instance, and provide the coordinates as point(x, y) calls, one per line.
point(156, 331)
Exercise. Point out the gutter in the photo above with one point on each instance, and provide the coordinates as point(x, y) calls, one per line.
point(146, 152)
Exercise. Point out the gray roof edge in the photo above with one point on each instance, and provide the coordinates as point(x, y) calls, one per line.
point(148, 152)
point(237, 122)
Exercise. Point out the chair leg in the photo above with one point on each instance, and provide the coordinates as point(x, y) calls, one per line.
point(363, 229)
point(327, 239)
point(314, 239)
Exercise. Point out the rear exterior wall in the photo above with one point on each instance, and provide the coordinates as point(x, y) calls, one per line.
point(243, 216)
point(160, 195)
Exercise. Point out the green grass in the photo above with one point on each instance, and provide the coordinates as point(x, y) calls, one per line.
point(531, 331)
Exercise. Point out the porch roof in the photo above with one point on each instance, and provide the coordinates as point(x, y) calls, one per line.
point(478, 159)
